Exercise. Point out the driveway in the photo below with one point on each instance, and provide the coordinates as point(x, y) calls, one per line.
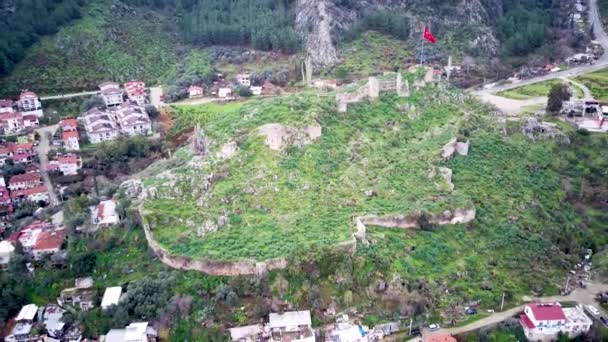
point(581, 296)
point(43, 149)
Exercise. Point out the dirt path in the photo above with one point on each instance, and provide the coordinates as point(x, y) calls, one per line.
point(586, 92)
point(511, 106)
point(43, 149)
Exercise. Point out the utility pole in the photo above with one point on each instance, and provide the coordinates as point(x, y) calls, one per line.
point(411, 321)
point(502, 304)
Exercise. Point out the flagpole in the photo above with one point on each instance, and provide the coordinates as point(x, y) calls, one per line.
point(422, 48)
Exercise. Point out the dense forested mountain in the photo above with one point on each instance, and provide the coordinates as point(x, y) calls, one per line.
point(145, 39)
point(23, 22)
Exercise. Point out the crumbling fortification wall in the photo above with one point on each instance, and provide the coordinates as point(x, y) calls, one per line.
point(213, 267)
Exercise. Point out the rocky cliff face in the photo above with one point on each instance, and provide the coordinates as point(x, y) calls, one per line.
point(322, 21)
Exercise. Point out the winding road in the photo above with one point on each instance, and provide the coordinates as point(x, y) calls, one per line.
point(43, 149)
point(602, 62)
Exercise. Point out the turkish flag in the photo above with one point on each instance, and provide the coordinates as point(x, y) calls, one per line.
point(428, 35)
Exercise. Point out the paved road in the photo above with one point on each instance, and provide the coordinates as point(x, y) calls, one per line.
point(43, 149)
point(67, 96)
point(581, 296)
point(600, 36)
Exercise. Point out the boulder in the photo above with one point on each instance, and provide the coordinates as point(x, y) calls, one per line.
point(228, 150)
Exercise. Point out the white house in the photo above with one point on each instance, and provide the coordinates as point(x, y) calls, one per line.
point(25, 181)
point(7, 250)
point(30, 121)
point(292, 326)
point(134, 332)
point(22, 331)
point(224, 92)
point(100, 126)
point(37, 194)
point(105, 213)
point(111, 94)
point(543, 322)
point(244, 79)
point(132, 119)
point(195, 91)
point(256, 90)
point(29, 104)
point(111, 297)
point(68, 164)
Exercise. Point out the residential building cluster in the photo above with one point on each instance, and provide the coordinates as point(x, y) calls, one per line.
point(119, 117)
point(20, 115)
point(83, 296)
point(224, 89)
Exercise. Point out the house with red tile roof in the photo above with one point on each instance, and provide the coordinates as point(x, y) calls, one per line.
point(11, 123)
point(439, 338)
point(30, 104)
point(35, 195)
point(30, 121)
point(544, 321)
point(68, 164)
point(136, 92)
point(7, 106)
point(23, 158)
point(48, 242)
point(105, 213)
point(25, 181)
point(68, 124)
point(70, 140)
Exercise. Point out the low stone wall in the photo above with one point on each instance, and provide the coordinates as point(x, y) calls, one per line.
point(213, 267)
point(448, 217)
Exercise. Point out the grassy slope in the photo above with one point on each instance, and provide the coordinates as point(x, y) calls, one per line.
point(523, 232)
point(373, 52)
point(307, 196)
point(535, 90)
point(597, 82)
point(104, 45)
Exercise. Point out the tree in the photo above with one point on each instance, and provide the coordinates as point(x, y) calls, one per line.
point(245, 92)
point(152, 112)
point(558, 94)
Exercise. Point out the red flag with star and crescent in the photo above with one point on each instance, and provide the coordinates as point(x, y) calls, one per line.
point(428, 35)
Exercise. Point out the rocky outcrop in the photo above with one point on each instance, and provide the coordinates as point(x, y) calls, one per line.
point(228, 150)
point(278, 137)
point(315, 19)
point(321, 22)
point(454, 147)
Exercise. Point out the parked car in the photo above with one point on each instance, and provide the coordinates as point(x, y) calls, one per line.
point(471, 312)
point(593, 310)
point(415, 332)
point(604, 320)
point(434, 327)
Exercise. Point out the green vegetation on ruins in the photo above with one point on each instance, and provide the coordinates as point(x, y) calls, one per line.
point(305, 198)
point(283, 203)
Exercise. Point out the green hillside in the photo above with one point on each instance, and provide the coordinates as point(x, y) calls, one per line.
point(109, 43)
point(304, 199)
